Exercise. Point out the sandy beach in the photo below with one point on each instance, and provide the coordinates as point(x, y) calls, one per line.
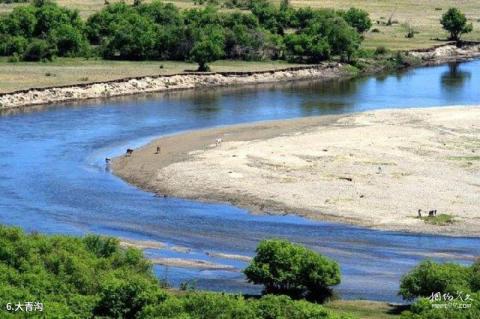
point(374, 169)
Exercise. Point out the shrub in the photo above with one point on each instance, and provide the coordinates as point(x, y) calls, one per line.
point(201, 305)
point(455, 22)
point(283, 267)
point(74, 277)
point(429, 277)
point(380, 50)
point(359, 19)
point(13, 45)
point(425, 309)
point(38, 50)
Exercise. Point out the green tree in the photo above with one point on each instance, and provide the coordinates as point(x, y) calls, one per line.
point(359, 19)
point(284, 267)
point(69, 41)
point(208, 47)
point(455, 22)
point(133, 38)
point(429, 277)
point(21, 21)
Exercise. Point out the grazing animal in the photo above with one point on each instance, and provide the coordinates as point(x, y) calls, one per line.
point(218, 141)
point(129, 152)
point(431, 213)
point(107, 160)
point(419, 213)
point(158, 150)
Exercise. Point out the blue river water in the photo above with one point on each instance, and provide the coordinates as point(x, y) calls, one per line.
point(53, 178)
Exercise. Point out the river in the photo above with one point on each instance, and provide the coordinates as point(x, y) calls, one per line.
point(53, 178)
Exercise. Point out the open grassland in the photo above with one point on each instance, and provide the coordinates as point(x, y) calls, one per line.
point(66, 71)
point(364, 309)
point(422, 15)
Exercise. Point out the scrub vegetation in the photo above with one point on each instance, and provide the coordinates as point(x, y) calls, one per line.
point(159, 31)
point(93, 277)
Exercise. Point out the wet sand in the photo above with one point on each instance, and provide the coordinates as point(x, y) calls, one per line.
point(373, 169)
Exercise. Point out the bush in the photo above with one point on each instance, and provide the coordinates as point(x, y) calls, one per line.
point(283, 267)
point(359, 19)
point(13, 45)
point(380, 50)
point(75, 277)
point(429, 277)
point(39, 50)
point(425, 309)
point(200, 305)
point(455, 22)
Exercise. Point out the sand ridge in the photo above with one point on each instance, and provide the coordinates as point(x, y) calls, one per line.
point(373, 169)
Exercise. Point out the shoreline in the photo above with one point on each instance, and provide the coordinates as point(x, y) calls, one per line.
point(192, 166)
point(445, 53)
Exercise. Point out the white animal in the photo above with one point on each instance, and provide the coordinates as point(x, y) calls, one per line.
point(218, 141)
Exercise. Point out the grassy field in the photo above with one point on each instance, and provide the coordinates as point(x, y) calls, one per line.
point(64, 71)
point(365, 309)
point(422, 15)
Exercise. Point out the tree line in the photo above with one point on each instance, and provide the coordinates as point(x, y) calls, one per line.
point(159, 31)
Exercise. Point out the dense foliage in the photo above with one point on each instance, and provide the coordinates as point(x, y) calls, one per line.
point(283, 267)
point(444, 291)
point(94, 277)
point(41, 31)
point(455, 22)
point(161, 31)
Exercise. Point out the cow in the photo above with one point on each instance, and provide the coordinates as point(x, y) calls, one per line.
point(218, 141)
point(129, 152)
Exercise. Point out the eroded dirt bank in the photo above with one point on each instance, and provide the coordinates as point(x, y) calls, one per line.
point(166, 83)
point(328, 70)
point(373, 169)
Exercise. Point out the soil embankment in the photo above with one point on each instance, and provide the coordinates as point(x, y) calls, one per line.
point(328, 70)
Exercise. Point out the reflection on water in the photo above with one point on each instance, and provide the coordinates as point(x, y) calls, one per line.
point(455, 77)
point(53, 178)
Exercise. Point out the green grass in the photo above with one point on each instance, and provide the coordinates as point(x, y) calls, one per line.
point(364, 309)
point(66, 71)
point(439, 220)
point(465, 158)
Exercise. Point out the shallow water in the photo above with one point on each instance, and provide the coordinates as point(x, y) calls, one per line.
point(53, 179)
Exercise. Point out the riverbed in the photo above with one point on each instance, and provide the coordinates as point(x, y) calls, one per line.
point(53, 178)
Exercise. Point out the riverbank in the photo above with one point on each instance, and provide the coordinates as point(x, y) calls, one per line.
point(373, 169)
point(183, 81)
point(163, 83)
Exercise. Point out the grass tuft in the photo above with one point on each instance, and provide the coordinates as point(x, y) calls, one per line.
point(439, 220)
